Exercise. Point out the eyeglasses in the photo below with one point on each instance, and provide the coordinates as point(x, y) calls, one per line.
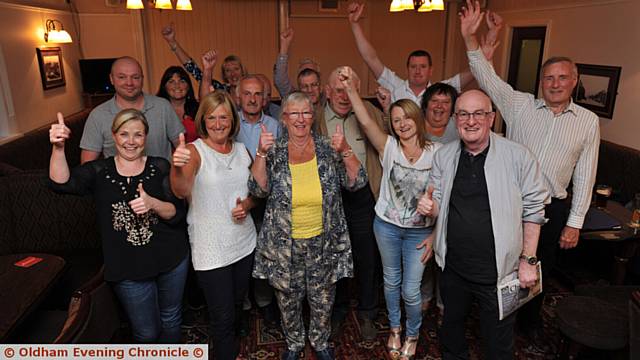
point(314, 85)
point(477, 115)
point(296, 115)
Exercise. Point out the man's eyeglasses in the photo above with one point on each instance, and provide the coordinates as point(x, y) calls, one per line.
point(296, 115)
point(478, 115)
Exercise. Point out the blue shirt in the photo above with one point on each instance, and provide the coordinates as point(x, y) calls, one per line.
point(249, 133)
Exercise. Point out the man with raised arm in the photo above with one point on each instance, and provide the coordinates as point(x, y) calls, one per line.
point(488, 195)
point(281, 67)
point(564, 137)
point(164, 125)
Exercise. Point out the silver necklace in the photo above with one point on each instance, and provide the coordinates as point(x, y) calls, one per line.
point(224, 159)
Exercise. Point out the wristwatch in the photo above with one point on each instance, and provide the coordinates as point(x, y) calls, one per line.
point(531, 260)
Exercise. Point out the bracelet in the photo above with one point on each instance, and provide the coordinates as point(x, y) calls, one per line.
point(259, 154)
point(346, 154)
point(173, 47)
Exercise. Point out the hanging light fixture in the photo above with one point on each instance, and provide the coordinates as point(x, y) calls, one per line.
point(425, 7)
point(407, 5)
point(163, 4)
point(396, 6)
point(56, 35)
point(135, 4)
point(436, 4)
point(183, 5)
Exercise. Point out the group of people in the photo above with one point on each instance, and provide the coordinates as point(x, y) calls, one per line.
point(325, 186)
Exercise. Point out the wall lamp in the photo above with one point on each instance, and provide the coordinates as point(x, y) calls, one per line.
point(160, 4)
point(56, 34)
point(419, 5)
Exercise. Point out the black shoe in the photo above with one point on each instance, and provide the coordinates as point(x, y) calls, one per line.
point(325, 354)
point(368, 329)
point(290, 355)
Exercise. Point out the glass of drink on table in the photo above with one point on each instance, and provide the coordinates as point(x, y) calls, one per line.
point(602, 195)
point(635, 216)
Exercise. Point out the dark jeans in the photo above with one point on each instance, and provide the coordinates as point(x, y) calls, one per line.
point(359, 212)
point(225, 289)
point(154, 306)
point(529, 316)
point(457, 296)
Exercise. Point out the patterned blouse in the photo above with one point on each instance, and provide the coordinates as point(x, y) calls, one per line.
point(273, 249)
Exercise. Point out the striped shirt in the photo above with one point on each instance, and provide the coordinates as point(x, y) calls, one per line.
point(566, 144)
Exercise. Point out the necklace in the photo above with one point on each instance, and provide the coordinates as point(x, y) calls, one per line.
point(224, 159)
point(413, 155)
point(301, 147)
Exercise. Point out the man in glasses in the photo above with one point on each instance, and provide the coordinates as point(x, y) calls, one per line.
point(358, 205)
point(563, 136)
point(488, 196)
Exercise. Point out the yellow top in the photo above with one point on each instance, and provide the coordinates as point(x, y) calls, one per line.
point(306, 200)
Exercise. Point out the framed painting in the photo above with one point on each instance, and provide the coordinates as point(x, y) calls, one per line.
point(51, 68)
point(597, 88)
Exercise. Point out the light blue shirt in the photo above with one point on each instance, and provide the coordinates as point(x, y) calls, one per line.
point(249, 133)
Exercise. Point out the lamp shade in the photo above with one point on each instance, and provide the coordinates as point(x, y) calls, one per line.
point(183, 5)
point(396, 5)
point(425, 7)
point(437, 4)
point(407, 4)
point(61, 37)
point(135, 4)
point(164, 4)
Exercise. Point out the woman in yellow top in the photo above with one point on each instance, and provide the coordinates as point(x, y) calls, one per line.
point(303, 247)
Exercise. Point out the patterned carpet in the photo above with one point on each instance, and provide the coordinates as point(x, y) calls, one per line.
point(266, 344)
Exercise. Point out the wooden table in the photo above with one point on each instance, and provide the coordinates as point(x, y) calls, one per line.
point(23, 288)
point(625, 240)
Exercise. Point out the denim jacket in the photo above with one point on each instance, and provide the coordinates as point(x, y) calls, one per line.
point(273, 249)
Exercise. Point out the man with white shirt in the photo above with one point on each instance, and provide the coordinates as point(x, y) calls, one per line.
point(563, 136)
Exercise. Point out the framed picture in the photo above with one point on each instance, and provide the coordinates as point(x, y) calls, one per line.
point(597, 88)
point(328, 5)
point(51, 69)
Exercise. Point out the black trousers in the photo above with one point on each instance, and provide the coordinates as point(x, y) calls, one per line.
point(457, 297)
point(359, 211)
point(529, 316)
point(224, 289)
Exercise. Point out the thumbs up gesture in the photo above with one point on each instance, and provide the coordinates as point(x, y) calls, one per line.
point(266, 139)
point(59, 132)
point(142, 203)
point(426, 205)
point(238, 213)
point(338, 141)
point(182, 155)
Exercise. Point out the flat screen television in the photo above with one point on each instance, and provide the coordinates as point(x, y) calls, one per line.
point(95, 76)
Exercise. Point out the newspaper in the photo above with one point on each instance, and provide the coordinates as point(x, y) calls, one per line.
point(511, 296)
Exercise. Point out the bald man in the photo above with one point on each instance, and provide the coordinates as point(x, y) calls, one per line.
point(164, 125)
point(489, 198)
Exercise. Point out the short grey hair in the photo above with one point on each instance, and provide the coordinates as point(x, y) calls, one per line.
point(296, 97)
point(558, 59)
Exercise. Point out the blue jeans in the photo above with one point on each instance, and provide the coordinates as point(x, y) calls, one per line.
point(154, 306)
point(402, 270)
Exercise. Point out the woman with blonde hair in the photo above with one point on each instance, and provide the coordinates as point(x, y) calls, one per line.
point(140, 222)
point(212, 173)
point(406, 158)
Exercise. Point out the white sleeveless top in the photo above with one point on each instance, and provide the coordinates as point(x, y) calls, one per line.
point(216, 240)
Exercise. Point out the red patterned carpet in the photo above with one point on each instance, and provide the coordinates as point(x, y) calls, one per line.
point(265, 344)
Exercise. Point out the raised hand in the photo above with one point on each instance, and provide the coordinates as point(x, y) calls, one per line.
point(266, 139)
point(182, 155)
point(286, 38)
point(355, 12)
point(426, 205)
point(169, 33)
point(470, 18)
point(345, 76)
point(338, 141)
point(59, 132)
point(489, 42)
point(494, 22)
point(238, 213)
point(143, 203)
point(209, 59)
point(384, 98)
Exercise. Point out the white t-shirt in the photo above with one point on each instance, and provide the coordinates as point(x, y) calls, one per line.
point(403, 184)
point(216, 240)
point(400, 88)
